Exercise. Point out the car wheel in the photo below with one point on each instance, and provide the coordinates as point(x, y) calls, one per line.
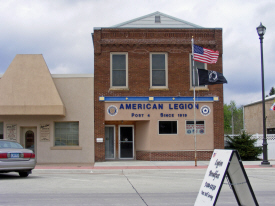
point(23, 174)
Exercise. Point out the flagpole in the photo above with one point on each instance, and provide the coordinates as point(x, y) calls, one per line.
point(209, 57)
point(194, 94)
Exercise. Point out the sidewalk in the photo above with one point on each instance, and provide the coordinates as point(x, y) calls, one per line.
point(136, 164)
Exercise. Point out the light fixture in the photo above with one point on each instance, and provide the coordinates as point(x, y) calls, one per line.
point(261, 31)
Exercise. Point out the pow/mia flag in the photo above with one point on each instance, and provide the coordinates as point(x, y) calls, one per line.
point(208, 77)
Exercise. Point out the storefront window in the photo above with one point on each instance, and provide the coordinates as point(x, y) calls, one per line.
point(199, 127)
point(168, 127)
point(66, 133)
point(1, 130)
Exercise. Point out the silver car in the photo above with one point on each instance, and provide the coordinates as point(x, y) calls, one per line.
point(14, 158)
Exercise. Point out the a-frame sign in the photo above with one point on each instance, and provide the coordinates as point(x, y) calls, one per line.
point(225, 163)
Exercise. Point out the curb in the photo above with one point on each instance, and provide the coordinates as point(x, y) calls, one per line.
point(45, 167)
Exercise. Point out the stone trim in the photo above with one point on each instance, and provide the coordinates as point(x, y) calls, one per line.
point(66, 148)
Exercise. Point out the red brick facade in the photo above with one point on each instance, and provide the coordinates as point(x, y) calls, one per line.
point(173, 156)
point(139, 43)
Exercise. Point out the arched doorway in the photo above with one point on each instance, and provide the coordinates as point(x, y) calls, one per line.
point(28, 138)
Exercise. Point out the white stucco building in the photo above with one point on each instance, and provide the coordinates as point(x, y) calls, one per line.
point(51, 114)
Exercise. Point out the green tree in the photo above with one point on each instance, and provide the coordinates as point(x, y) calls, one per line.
point(245, 146)
point(229, 110)
point(227, 119)
point(272, 91)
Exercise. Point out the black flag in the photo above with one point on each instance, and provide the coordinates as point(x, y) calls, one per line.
point(208, 77)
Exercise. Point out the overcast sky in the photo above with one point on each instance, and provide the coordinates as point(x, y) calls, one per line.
point(61, 31)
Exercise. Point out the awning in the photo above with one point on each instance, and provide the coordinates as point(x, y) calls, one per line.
point(27, 88)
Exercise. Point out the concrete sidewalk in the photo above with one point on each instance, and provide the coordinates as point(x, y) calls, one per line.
point(137, 164)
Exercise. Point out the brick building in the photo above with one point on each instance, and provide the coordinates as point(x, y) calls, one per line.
point(143, 93)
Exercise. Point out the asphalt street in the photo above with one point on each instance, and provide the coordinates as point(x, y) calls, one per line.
point(123, 187)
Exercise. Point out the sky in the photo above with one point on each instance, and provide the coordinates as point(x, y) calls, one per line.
point(61, 31)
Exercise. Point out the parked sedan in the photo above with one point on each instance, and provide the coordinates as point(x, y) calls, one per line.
point(14, 158)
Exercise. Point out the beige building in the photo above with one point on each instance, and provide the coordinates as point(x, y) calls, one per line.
point(253, 116)
point(145, 127)
point(51, 114)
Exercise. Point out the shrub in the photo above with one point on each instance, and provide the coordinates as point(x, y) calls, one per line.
point(245, 146)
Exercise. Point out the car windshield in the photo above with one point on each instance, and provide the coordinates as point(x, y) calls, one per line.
point(7, 144)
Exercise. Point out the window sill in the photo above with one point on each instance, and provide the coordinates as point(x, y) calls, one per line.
point(119, 89)
point(66, 148)
point(199, 89)
point(159, 89)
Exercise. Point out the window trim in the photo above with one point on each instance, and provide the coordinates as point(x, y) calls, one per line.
point(166, 71)
point(66, 148)
point(205, 87)
point(169, 121)
point(111, 70)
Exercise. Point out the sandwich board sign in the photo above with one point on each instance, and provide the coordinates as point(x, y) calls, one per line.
point(225, 164)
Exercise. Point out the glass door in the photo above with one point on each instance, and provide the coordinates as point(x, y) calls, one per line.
point(109, 142)
point(126, 142)
point(29, 140)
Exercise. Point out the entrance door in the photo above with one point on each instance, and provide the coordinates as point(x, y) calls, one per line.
point(126, 142)
point(109, 142)
point(29, 138)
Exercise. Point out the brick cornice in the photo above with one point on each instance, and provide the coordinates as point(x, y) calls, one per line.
point(155, 42)
point(208, 38)
point(158, 33)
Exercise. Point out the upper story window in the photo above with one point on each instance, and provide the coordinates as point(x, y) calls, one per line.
point(119, 70)
point(198, 65)
point(157, 19)
point(158, 70)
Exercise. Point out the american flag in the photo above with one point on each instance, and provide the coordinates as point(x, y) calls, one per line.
point(205, 55)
